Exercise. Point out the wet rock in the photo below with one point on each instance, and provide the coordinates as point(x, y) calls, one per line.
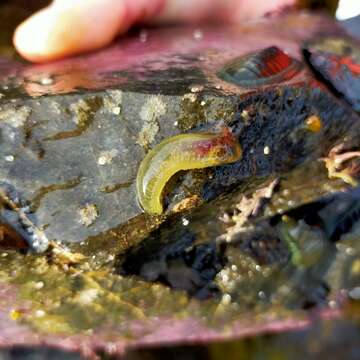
point(337, 61)
point(264, 67)
point(74, 132)
point(277, 119)
point(71, 301)
point(288, 258)
point(176, 261)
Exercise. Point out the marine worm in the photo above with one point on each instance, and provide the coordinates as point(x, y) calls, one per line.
point(181, 152)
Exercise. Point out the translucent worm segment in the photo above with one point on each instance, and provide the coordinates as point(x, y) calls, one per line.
point(181, 152)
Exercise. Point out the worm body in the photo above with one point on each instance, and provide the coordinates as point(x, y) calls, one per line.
point(181, 152)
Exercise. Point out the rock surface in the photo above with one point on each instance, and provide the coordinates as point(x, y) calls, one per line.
point(74, 132)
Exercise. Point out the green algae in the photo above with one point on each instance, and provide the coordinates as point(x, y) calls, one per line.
point(74, 300)
point(70, 300)
point(196, 108)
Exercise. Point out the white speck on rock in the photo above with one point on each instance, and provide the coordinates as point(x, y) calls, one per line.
point(87, 296)
point(116, 110)
point(9, 158)
point(111, 257)
point(106, 157)
point(245, 115)
point(226, 299)
point(39, 285)
point(266, 150)
point(185, 221)
point(39, 313)
point(196, 88)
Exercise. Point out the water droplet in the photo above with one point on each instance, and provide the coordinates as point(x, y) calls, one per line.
point(48, 80)
point(39, 313)
point(268, 66)
point(116, 110)
point(39, 285)
point(198, 34)
point(350, 251)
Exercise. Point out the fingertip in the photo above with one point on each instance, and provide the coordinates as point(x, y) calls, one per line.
point(68, 28)
point(29, 41)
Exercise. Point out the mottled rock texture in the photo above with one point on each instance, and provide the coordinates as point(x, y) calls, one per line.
point(73, 132)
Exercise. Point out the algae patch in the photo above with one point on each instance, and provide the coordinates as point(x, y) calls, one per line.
point(197, 109)
point(15, 117)
point(83, 113)
point(72, 299)
point(113, 101)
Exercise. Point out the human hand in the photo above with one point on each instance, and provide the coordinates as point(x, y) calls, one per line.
point(68, 27)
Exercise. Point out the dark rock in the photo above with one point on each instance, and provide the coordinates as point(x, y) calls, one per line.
point(337, 61)
point(175, 260)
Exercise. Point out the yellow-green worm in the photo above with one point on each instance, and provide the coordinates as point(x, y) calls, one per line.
point(181, 152)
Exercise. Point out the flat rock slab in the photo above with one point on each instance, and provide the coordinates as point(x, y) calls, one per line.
point(74, 132)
